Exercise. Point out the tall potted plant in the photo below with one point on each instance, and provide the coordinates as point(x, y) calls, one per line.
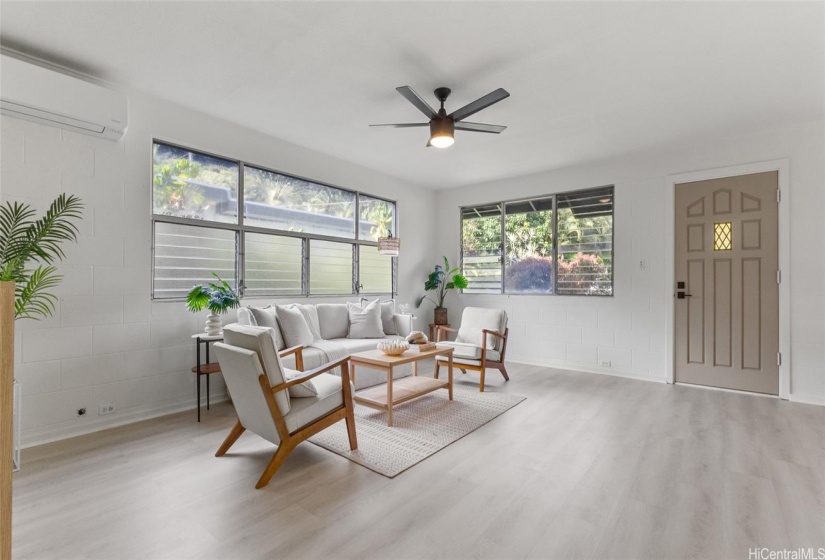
point(217, 297)
point(440, 281)
point(28, 250)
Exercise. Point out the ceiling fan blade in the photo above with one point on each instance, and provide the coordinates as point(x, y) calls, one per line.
point(416, 100)
point(402, 125)
point(479, 104)
point(480, 127)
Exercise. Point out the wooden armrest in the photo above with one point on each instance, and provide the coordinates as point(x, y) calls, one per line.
point(288, 351)
point(309, 375)
point(494, 333)
point(299, 356)
point(441, 328)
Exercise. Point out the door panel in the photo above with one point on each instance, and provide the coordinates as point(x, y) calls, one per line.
point(727, 323)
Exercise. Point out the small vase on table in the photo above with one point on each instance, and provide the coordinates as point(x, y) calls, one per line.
point(213, 325)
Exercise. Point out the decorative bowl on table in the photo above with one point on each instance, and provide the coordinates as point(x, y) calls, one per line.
point(393, 347)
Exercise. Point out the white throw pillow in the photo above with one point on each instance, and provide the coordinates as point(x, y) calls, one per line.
point(387, 322)
point(302, 390)
point(310, 316)
point(387, 313)
point(333, 319)
point(294, 326)
point(366, 322)
point(266, 317)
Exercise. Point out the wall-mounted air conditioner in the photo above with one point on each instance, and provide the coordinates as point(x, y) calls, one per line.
point(44, 96)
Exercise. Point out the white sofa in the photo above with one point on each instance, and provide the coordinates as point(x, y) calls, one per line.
point(334, 342)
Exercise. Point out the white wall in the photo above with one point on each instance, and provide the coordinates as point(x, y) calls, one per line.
point(108, 341)
point(629, 329)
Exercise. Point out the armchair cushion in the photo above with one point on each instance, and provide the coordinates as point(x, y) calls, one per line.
point(467, 356)
point(474, 319)
point(241, 370)
point(261, 341)
point(304, 411)
point(470, 351)
point(294, 327)
point(307, 389)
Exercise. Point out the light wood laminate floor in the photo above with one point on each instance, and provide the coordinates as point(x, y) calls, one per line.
point(589, 466)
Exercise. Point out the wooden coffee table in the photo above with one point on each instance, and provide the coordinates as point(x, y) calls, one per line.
point(384, 397)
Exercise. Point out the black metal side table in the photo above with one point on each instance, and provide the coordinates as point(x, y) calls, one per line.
point(204, 369)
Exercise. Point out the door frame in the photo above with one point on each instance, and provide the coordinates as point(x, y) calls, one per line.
point(782, 167)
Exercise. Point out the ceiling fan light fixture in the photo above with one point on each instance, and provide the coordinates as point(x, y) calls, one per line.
point(442, 133)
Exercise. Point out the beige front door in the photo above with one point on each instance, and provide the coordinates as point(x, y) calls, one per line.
point(727, 296)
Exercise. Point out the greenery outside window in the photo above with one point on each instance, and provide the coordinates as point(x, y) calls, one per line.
point(528, 264)
point(268, 234)
point(481, 249)
point(554, 244)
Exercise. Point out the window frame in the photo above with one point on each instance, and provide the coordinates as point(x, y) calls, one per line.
point(240, 229)
point(555, 222)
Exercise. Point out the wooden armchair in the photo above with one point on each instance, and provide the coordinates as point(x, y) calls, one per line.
point(480, 342)
point(260, 392)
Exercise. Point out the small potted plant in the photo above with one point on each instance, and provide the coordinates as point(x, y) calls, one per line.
point(440, 281)
point(218, 298)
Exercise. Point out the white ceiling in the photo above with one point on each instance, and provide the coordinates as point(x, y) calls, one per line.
point(588, 81)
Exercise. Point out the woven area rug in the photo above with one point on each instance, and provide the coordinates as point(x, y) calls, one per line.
point(421, 427)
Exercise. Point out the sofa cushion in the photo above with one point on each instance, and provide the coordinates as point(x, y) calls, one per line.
point(333, 320)
point(330, 397)
point(294, 326)
point(310, 314)
point(387, 316)
point(313, 357)
point(354, 345)
point(387, 313)
point(365, 322)
point(266, 317)
point(245, 317)
point(303, 390)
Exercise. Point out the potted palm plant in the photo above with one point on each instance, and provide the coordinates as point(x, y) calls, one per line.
point(28, 250)
point(218, 297)
point(441, 280)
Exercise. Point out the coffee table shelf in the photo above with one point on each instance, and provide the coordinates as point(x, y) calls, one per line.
point(403, 390)
point(394, 392)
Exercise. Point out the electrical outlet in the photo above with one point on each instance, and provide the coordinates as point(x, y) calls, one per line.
point(108, 408)
point(642, 264)
point(607, 363)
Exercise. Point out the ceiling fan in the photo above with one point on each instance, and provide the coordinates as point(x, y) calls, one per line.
point(443, 126)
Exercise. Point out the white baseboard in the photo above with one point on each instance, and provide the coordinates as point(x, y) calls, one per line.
point(48, 434)
point(616, 372)
point(807, 399)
